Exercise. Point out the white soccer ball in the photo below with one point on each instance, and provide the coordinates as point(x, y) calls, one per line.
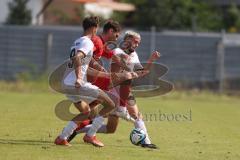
point(137, 136)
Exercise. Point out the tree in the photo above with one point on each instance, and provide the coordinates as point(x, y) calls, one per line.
point(18, 13)
point(172, 14)
point(208, 17)
point(233, 18)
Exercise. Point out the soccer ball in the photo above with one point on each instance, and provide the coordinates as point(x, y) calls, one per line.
point(137, 136)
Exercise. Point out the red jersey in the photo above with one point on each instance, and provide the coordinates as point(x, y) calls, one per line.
point(99, 48)
point(99, 51)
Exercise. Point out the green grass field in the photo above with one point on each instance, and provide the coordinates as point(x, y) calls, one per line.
point(28, 127)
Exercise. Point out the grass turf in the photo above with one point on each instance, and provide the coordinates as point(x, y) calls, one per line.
point(28, 127)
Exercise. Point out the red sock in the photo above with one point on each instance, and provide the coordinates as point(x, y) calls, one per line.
point(83, 123)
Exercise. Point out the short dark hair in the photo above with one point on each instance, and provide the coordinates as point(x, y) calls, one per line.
point(110, 24)
point(89, 22)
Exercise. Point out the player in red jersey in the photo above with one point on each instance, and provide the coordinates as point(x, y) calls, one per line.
point(128, 100)
point(77, 79)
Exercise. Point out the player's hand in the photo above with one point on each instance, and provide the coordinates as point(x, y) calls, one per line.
point(141, 73)
point(124, 75)
point(155, 55)
point(78, 83)
point(137, 74)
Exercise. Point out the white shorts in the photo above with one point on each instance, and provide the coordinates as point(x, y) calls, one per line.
point(87, 93)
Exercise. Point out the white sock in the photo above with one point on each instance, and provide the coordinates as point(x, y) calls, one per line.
point(68, 130)
point(96, 124)
point(122, 108)
point(102, 129)
point(140, 124)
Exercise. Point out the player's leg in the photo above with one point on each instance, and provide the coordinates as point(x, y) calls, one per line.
point(84, 108)
point(123, 91)
point(108, 128)
point(139, 123)
point(97, 121)
point(111, 125)
point(108, 106)
point(67, 132)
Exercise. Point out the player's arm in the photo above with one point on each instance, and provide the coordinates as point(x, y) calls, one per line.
point(155, 55)
point(93, 72)
point(77, 63)
point(96, 65)
point(121, 60)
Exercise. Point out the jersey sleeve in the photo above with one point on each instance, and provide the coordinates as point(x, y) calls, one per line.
point(118, 51)
point(98, 46)
point(108, 54)
point(84, 45)
point(137, 63)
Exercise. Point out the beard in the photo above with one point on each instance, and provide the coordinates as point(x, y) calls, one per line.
point(129, 51)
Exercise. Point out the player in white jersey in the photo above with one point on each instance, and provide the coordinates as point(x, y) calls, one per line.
point(130, 106)
point(127, 98)
point(76, 81)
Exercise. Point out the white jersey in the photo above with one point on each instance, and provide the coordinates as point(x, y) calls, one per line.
point(133, 61)
point(85, 45)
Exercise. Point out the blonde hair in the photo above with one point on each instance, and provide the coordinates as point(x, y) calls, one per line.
point(130, 33)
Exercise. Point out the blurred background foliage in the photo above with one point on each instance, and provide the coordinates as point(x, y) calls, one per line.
point(180, 15)
point(195, 15)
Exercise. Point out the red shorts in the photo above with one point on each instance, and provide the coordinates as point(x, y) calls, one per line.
point(102, 83)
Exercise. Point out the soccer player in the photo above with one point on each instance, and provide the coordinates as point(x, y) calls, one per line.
point(81, 55)
point(133, 39)
point(82, 52)
point(126, 97)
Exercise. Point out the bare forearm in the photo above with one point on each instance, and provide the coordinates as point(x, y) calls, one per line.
point(77, 62)
point(78, 72)
point(155, 55)
point(121, 60)
point(95, 64)
point(77, 67)
point(93, 72)
point(149, 64)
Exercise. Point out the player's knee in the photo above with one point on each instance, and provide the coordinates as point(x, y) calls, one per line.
point(103, 97)
point(82, 107)
point(110, 103)
point(131, 101)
